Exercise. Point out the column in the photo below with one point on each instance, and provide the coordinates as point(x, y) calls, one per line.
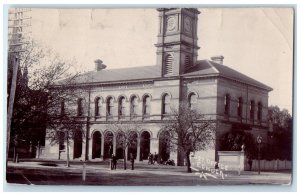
point(71, 149)
point(83, 151)
point(138, 151)
point(114, 145)
point(102, 146)
point(126, 153)
point(90, 147)
point(154, 145)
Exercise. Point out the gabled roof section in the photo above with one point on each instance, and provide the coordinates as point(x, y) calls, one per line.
point(115, 75)
point(206, 67)
point(202, 68)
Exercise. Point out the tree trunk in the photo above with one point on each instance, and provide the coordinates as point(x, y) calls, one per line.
point(14, 159)
point(188, 162)
point(124, 156)
point(68, 156)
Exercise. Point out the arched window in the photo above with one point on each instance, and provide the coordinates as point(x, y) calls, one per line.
point(168, 64)
point(227, 104)
point(121, 107)
point(98, 105)
point(109, 107)
point(133, 106)
point(192, 101)
point(146, 106)
point(252, 110)
point(79, 107)
point(187, 62)
point(240, 107)
point(259, 111)
point(166, 100)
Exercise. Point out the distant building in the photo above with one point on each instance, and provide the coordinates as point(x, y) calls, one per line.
point(145, 94)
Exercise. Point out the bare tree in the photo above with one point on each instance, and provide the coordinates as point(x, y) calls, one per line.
point(188, 131)
point(126, 135)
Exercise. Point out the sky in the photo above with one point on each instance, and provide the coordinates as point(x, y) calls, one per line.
point(257, 42)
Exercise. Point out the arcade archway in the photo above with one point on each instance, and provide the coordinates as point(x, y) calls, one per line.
point(164, 146)
point(77, 145)
point(108, 145)
point(96, 151)
point(132, 147)
point(145, 145)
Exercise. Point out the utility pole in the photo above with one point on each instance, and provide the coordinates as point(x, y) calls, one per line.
point(18, 22)
point(259, 140)
point(87, 127)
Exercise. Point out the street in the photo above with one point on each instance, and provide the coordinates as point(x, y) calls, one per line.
point(40, 173)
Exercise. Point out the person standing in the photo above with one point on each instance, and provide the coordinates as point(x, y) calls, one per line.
point(150, 159)
point(111, 162)
point(132, 161)
point(155, 158)
point(114, 160)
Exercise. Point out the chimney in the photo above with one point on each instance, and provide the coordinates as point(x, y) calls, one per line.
point(217, 59)
point(98, 65)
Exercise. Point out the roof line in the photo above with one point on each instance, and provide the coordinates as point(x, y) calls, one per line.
point(267, 87)
point(212, 66)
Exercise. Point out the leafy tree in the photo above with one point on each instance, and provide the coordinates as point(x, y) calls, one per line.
point(66, 130)
point(235, 139)
point(39, 69)
point(281, 123)
point(188, 131)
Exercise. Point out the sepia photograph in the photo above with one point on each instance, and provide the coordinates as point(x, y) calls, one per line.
point(161, 96)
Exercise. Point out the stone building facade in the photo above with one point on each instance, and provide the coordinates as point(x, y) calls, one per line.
point(146, 94)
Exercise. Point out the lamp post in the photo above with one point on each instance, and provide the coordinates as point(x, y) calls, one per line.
point(259, 139)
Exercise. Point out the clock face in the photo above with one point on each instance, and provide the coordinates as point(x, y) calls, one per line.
point(171, 23)
point(187, 24)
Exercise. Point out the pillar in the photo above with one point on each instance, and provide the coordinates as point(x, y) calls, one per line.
point(90, 147)
point(114, 144)
point(154, 145)
point(102, 146)
point(126, 153)
point(138, 151)
point(83, 151)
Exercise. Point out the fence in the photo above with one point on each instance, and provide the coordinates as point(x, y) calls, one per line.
point(272, 165)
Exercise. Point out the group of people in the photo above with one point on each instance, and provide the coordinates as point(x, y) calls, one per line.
point(152, 158)
point(113, 163)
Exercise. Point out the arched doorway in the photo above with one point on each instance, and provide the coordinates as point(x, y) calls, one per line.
point(120, 142)
point(96, 151)
point(77, 144)
point(108, 144)
point(132, 147)
point(145, 145)
point(164, 146)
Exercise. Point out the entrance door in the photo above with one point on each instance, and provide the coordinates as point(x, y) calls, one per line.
point(145, 145)
point(77, 145)
point(132, 148)
point(120, 139)
point(164, 146)
point(108, 145)
point(96, 145)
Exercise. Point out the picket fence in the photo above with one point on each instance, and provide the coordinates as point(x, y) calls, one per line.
point(272, 165)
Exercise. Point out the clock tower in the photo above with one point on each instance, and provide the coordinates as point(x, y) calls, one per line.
point(177, 40)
